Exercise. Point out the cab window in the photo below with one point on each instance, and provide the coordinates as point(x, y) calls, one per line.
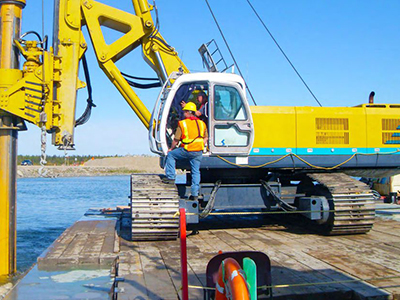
point(228, 104)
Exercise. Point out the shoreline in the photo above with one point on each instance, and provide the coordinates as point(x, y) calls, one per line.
point(97, 167)
point(74, 171)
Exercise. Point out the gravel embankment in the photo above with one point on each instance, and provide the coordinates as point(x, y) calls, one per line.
point(98, 167)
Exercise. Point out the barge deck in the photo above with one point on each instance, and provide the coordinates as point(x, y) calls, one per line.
point(304, 265)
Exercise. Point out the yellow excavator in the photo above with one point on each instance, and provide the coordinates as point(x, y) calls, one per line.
point(259, 157)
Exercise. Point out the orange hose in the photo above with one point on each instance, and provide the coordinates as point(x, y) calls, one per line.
point(231, 283)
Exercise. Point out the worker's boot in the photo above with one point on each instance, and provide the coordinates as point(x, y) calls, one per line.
point(167, 180)
point(194, 198)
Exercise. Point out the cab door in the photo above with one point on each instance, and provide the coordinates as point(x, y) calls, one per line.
point(231, 125)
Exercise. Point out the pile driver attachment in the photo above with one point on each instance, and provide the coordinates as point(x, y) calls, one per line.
point(44, 91)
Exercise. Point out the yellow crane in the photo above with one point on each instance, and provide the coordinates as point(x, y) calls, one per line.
point(44, 91)
point(255, 152)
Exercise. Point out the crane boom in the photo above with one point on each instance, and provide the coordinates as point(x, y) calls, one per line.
point(52, 76)
point(44, 91)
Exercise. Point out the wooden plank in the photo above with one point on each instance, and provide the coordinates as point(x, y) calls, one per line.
point(323, 244)
point(214, 242)
point(358, 268)
point(82, 244)
point(170, 252)
point(90, 252)
point(306, 242)
point(130, 269)
point(62, 243)
point(158, 282)
point(388, 258)
point(292, 270)
point(296, 257)
point(297, 249)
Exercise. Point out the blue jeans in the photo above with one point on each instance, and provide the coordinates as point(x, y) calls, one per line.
point(194, 158)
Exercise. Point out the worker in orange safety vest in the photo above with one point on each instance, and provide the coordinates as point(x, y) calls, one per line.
point(192, 133)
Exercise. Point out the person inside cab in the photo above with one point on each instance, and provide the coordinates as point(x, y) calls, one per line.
point(192, 134)
point(201, 106)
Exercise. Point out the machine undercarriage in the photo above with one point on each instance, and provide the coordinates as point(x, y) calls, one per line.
point(334, 203)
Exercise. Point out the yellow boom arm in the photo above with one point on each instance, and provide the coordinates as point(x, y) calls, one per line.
point(46, 93)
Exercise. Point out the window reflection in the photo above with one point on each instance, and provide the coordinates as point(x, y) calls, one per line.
point(228, 104)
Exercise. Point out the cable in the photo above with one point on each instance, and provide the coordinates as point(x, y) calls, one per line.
point(138, 78)
point(32, 32)
point(278, 212)
point(306, 284)
point(143, 86)
point(163, 43)
point(88, 111)
point(253, 167)
point(304, 161)
point(226, 43)
point(284, 54)
point(153, 35)
point(157, 27)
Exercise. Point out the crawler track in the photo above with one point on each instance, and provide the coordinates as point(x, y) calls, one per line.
point(352, 203)
point(154, 206)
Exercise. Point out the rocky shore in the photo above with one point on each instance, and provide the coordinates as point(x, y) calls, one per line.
point(98, 167)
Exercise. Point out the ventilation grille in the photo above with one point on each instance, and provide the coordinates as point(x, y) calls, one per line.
point(332, 138)
point(331, 124)
point(332, 131)
point(390, 124)
point(390, 131)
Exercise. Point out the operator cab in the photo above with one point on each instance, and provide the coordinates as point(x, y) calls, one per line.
point(224, 108)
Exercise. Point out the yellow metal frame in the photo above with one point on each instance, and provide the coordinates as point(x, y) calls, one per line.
point(44, 91)
point(361, 129)
point(45, 94)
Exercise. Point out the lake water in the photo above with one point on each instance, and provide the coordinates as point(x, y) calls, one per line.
point(46, 207)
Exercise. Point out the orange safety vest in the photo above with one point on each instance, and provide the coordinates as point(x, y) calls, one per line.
point(193, 131)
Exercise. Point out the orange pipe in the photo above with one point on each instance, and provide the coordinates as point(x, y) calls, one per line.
point(231, 283)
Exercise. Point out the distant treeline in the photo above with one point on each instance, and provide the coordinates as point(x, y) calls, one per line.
point(59, 160)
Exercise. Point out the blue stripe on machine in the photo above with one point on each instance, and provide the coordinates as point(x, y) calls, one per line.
point(392, 142)
point(323, 151)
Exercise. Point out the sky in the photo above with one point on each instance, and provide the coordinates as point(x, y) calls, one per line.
point(343, 49)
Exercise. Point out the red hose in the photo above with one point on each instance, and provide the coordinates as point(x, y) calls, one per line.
point(182, 221)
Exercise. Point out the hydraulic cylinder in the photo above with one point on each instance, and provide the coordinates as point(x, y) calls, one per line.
point(10, 20)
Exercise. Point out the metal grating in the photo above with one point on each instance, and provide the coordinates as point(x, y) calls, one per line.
point(390, 138)
point(390, 124)
point(390, 131)
point(332, 138)
point(332, 131)
point(331, 124)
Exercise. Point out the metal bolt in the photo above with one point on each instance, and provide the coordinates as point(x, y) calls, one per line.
point(87, 4)
point(149, 23)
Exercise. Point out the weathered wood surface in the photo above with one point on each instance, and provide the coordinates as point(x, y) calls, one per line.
point(299, 259)
point(90, 244)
